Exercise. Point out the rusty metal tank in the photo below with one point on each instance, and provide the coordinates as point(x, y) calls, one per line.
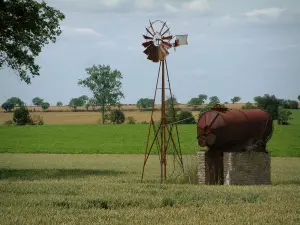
point(226, 130)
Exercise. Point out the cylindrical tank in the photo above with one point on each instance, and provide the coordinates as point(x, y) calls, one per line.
point(233, 130)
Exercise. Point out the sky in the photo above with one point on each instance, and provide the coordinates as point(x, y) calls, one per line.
point(235, 48)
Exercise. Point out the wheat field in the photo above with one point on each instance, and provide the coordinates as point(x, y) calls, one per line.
point(65, 115)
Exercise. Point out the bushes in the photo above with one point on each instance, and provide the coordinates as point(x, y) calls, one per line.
point(186, 117)
point(22, 116)
point(131, 120)
point(283, 117)
point(289, 104)
point(249, 105)
point(117, 116)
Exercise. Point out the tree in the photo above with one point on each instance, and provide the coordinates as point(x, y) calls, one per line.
point(171, 112)
point(17, 102)
point(202, 98)
point(186, 117)
point(213, 100)
point(7, 106)
point(59, 103)
point(194, 101)
point(288, 104)
point(26, 26)
point(269, 104)
point(45, 105)
point(76, 102)
point(144, 103)
point(235, 99)
point(117, 116)
point(171, 100)
point(105, 84)
point(37, 101)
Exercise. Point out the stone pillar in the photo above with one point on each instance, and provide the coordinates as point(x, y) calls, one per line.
point(210, 167)
point(247, 168)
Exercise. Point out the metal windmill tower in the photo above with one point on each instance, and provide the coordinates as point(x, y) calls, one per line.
point(158, 41)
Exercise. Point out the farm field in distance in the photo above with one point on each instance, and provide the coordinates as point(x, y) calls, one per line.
point(65, 115)
point(122, 139)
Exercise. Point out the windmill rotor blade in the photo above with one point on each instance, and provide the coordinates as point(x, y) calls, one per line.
point(149, 49)
point(165, 31)
point(168, 38)
point(163, 52)
point(147, 37)
point(162, 27)
point(149, 32)
point(151, 27)
point(147, 43)
point(166, 44)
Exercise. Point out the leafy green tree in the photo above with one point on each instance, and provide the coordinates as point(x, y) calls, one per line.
point(76, 102)
point(171, 100)
point(171, 112)
point(186, 117)
point(268, 103)
point(45, 105)
point(202, 98)
point(37, 101)
point(235, 99)
point(59, 103)
point(144, 103)
point(26, 26)
point(288, 104)
point(194, 101)
point(17, 102)
point(7, 106)
point(117, 116)
point(213, 100)
point(105, 84)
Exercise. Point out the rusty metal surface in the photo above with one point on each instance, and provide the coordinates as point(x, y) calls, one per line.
point(233, 129)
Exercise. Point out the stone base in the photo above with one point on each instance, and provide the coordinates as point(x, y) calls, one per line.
point(234, 168)
point(247, 168)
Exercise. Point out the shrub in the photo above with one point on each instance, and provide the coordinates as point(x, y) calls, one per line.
point(22, 116)
point(8, 122)
point(131, 120)
point(186, 117)
point(284, 116)
point(117, 116)
point(249, 105)
point(37, 120)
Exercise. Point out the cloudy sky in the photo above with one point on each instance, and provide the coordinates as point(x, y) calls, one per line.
point(236, 48)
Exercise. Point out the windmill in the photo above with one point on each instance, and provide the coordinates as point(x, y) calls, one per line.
point(157, 43)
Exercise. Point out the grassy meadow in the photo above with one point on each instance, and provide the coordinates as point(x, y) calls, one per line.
point(122, 139)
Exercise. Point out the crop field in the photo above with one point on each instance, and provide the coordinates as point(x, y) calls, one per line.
point(65, 115)
point(98, 179)
point(106, 189)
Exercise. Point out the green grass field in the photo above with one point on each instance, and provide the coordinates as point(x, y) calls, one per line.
point(106, 189)
point(122, 139)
